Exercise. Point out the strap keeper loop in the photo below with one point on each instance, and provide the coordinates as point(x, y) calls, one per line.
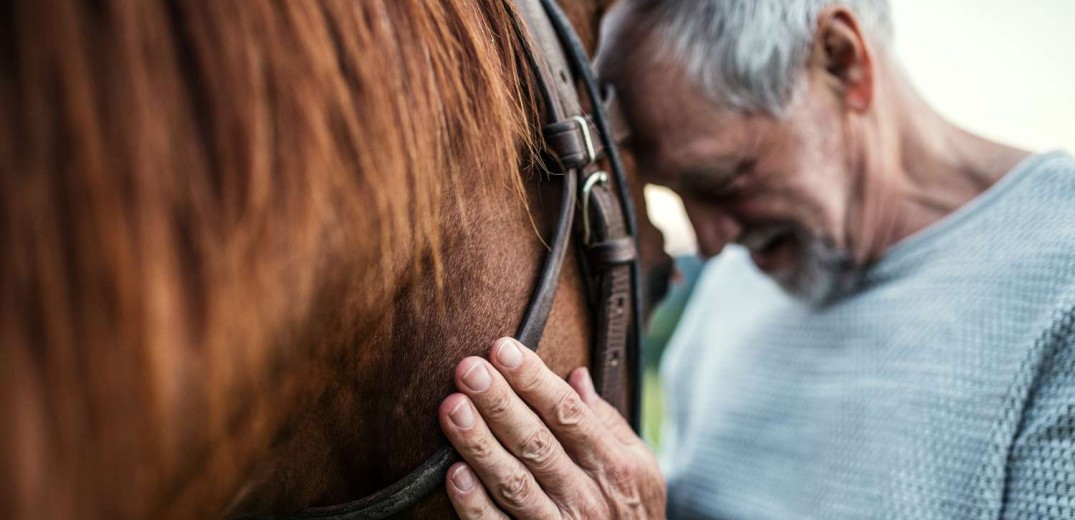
point(611, 253)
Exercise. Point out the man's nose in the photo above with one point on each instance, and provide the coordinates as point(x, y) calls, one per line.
point(713, 228)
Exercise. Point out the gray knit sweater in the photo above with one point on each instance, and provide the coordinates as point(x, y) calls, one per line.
point(944, 388)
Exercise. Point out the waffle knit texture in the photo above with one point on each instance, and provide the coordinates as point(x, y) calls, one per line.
point(944, 388)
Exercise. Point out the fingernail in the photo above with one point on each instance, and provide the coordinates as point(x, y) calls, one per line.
point(477, 377)
point(463, 479)
point(509, 354)
point(462, 415)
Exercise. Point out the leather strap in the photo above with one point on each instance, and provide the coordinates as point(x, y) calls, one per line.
point(586, 76)
point(569, 144)
point(572, 145)
point(608, 264)
point(611, 252)
point(553, 75)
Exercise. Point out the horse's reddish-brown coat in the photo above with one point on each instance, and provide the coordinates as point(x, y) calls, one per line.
point(244, 242)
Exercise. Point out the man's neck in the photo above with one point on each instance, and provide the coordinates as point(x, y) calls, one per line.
point(933, 166)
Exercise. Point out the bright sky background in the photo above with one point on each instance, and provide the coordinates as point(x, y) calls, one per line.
point(1001, 68)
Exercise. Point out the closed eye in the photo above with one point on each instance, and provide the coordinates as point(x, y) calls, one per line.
point(719, 185)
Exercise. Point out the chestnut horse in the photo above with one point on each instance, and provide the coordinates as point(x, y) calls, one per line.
point(243, 244)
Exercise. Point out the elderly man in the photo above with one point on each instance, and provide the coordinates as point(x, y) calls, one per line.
point(891, 337)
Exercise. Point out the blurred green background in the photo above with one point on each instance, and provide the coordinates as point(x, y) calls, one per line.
point(661, 326)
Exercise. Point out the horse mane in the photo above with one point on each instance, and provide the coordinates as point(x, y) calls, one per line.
point(181, 182)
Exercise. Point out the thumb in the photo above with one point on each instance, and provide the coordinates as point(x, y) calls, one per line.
point(581, 381)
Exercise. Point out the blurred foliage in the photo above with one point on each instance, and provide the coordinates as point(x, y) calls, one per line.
point(665, 317)
point(659, 331)
point(652, 409)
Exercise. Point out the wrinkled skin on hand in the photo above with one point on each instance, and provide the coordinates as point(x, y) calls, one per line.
point(536, 446)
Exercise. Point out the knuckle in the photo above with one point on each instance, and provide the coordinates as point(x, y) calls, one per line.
point(476, 509)
point(621, 474)
point(569, 410)
point(498, 405)
point(538, 448)
point(479, 447)
point(622, 488)
point(517, 490)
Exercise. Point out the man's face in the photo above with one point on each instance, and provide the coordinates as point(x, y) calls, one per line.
point(779, 186)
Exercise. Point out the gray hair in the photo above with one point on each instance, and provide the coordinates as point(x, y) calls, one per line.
point(747, 55)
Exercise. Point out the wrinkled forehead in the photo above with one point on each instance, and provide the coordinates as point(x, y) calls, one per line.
point(673, 123)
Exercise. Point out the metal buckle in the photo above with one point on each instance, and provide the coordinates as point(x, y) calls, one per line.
point(596, 178)
point(584, 127)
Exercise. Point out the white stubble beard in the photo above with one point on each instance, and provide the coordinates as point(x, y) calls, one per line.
point(823, 273)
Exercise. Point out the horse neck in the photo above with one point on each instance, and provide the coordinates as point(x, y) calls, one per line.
point(377, 421)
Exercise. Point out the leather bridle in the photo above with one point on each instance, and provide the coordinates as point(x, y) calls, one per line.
point(576, 144)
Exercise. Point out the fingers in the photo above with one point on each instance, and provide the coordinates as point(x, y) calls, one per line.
point(615, 466)
point(524, 464)
point(469, 498)
point(559, 405)
point(609, 416)
point(518, 428)
point(509, 482)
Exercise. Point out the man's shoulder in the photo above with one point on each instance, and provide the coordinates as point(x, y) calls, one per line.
point(1057, 161)
point(1016, 240)
point(1046, 185)
point(1032, 234)
point(1052, 176)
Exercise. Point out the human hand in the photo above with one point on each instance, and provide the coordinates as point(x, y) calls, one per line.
point(536, 446)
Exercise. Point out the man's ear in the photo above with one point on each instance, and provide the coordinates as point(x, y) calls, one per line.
point(840, 51)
